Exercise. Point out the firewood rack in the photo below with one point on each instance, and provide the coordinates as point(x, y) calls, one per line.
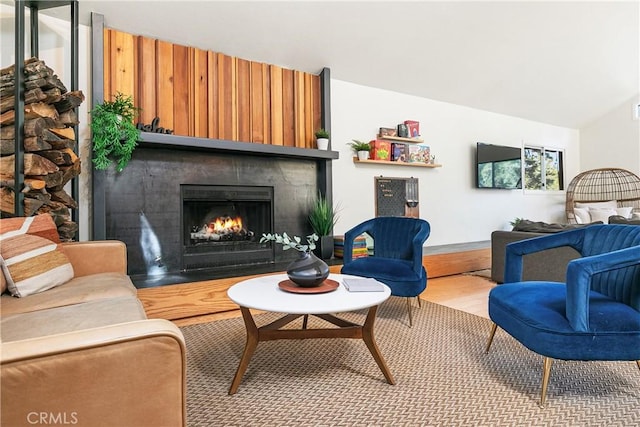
point(34, 7)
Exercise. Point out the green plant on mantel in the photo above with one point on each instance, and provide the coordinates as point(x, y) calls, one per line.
point(293, 242)
point(115, 135)
point(322, 133)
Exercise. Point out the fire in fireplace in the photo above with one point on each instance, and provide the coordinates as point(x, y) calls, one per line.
point(222, 226)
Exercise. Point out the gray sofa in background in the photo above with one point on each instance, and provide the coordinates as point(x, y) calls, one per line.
point(549, 265)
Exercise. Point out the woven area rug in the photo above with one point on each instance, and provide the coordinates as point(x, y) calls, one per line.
point(443, 378)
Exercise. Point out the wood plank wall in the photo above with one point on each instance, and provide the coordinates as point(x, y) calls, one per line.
point(212, 95)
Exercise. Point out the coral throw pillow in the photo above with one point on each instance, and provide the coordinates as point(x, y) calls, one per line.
point(33, 264)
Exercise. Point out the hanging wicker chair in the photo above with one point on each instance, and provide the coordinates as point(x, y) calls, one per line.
point(601, 185)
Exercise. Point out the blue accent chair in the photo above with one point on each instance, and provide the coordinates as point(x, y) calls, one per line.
point(594, 316)
point(397, 255)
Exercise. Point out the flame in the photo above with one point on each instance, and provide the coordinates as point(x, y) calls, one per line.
point(224, 225)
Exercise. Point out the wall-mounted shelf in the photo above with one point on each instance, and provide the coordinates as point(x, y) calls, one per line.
point(399, 138)
point(385, 162)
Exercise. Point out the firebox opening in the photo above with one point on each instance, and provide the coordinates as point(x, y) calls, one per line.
point(222, 226)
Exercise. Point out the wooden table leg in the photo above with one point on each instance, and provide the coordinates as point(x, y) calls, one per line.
point(249, 348)
point(271, 332)
point(368, 338)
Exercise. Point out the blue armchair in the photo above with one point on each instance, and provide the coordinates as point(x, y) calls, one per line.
point(594, 316)
point(397, 255)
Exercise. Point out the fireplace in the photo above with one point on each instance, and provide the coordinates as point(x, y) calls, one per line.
point(222, 226)
point(165, 196)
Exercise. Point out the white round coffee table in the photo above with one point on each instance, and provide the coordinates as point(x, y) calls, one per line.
point(263, 293)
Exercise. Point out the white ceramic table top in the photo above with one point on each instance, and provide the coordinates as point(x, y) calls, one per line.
point(263, 293)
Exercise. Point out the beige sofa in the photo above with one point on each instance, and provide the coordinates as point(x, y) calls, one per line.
point(84, 353)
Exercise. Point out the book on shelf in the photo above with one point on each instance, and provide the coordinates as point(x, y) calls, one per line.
point(388, 132)
point(380, 150)
point(419, 153)
point(359, 247)
point(398, 152)
point(362, 284)
point(413, 128)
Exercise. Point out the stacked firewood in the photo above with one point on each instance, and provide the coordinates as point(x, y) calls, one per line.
point(49, 141)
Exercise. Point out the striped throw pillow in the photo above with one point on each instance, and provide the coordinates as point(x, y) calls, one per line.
point(33, 264)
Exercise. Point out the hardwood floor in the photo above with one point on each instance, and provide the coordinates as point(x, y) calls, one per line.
point(461, 291)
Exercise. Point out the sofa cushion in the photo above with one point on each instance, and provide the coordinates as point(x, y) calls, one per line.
point(543, 227)
point(33, 264)
point(601, 214)
point(619, 219)
point(92, 314)
point(582, 215)
point(78, 290)
point(612, 204)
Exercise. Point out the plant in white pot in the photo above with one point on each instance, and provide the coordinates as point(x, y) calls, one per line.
point(322, 139)
point(360, 148)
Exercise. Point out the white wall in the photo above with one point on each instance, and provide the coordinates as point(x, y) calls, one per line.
point(612, 140)
point(457, 211)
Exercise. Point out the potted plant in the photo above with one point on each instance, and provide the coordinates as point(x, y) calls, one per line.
point(306, 271)
point(323, 217)
point(115, 135)
point(322, 139)
point(360, 148)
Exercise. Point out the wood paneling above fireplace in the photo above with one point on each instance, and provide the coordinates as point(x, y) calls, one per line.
point(207, 94)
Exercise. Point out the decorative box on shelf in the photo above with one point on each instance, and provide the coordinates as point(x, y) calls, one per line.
point(419, 153)
point(399, 152)
point(413, 128)
point(380, 150)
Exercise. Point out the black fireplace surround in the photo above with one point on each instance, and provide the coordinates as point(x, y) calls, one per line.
point(164, 204)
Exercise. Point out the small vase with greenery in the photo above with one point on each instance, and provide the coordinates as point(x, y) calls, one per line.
point(115, 135)
point(361, 148)
point(308, 270)
point(293, 242)
point(323, 217)
point(322, 139)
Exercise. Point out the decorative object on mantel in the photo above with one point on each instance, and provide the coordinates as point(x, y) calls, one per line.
point(153, 127)
point(322, 139)
point(323, 217)
point(308, 270)
point(360, 148)
point(114, 134)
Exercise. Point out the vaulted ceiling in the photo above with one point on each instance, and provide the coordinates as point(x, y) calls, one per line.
point(563, 63)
